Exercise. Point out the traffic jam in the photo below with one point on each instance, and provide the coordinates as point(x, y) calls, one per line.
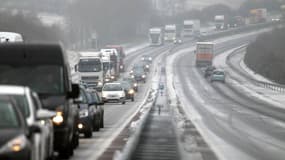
point(43, 113)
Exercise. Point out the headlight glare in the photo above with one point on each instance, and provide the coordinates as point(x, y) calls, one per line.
point(15, 145)
point(58, 119)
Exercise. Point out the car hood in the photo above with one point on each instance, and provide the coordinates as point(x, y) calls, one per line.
point(112, 92)
point(51, 102)
point(8, 134)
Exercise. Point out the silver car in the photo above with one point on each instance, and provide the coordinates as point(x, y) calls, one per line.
point(32, 110)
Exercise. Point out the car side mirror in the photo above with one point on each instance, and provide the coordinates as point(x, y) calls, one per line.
point(75, 91)
point(76, 68)
point(78, 100)
point(33, 130)
point(43, 114)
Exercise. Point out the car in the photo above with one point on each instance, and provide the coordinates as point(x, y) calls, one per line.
point(129, 91)
point(147, 58)
point(146, 65)
point(113, 92)
point(142, 65)
point(31, 107)
point(100, 105)
point(16, 136)
point(218, 75)
point(46, 72)
point(133, 83)
point(208, 71)
point(177, 41)
point(89, 116)
point(139, 75)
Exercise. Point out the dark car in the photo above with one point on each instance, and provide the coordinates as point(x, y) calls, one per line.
point(45, 69)
point(139, 74)
point(89, 116)
point(147, 58)
point(129, 91)
point(209, 70)
point(15, 134)
point(100, 105)
point(133, 83)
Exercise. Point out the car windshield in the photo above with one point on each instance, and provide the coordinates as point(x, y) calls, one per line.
point(90, 65)
point(112, 87)
point(23, 104)
point(44, 79)
point(8, 116)
point(219, 73)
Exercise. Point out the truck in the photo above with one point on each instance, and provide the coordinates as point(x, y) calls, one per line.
point(121, 54)
point(155, 37)
point(114, 59)
point(90, 68)
point(204, 54)
point(9, 37)
point(191, 28)
point(45, 69)
point(170, 33)
point(220, 22)
point(258, 15)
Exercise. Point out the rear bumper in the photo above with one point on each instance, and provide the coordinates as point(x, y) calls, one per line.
point(61, 138)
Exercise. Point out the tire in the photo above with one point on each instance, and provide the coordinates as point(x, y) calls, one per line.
point(124, 102)
point(66, 152)
point(102, 121)
point(89, 133)
point(97, 124)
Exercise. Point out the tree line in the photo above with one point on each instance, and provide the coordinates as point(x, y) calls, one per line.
point(266, 55)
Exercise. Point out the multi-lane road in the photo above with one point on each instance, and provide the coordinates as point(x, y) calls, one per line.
point(227, 120)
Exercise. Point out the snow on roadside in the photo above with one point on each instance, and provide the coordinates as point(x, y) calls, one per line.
point(254, 75)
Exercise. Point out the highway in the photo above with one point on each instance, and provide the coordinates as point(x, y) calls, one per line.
point(243, 132)
point(240, 132)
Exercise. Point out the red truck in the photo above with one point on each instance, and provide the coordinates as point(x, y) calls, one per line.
point(204, 54)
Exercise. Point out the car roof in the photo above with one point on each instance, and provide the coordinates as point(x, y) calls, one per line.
point(16, 90)
point(31, 54)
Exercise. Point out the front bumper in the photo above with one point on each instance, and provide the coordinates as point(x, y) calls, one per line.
point(87, 124)
point(61, 137)
point(113, 99)
point(25, 154)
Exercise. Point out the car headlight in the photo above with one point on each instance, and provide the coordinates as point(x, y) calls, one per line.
point(143, 76)
point(150, 59)
point(106, 80)
point(147, 66)
point(112, 77)
point(104, 95)
point(100, 83)
point(58, 119)
point(131, 91)
point(121, 67)
point(15, 145)
point(83, 113)
point(135, 84)
point(131, 72)
point(133, 76)
point(142, 58)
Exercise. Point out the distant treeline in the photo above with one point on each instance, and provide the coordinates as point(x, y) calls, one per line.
point(29, 26)
point(266, 55)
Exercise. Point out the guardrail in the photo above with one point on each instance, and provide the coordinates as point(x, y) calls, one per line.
point(272, 86)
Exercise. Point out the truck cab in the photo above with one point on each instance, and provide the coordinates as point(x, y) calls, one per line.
point(155, 37)
point(44, 68)
point(90, 68)
point(170, 33)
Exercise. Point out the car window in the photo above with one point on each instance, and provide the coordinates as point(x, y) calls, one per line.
point(112, 87)
point(23, 104)
point(8, 116)
point(83, 96)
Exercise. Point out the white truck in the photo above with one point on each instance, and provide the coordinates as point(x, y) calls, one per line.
point(155, 37)
point(191, 28)
point(170, 33)
point(111, 64)
point(9, 37)
point(90, 67)
point(220, 22)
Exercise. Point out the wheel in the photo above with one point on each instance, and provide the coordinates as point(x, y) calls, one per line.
point(66, 152)
point(124, 102)
point(97, 124)
point(102, 121)
point(89, 133)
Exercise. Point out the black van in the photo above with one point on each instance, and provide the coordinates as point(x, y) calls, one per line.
point(44, 68)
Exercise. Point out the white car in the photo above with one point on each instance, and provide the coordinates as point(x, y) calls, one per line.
point(113, 92)
point(32, 110)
